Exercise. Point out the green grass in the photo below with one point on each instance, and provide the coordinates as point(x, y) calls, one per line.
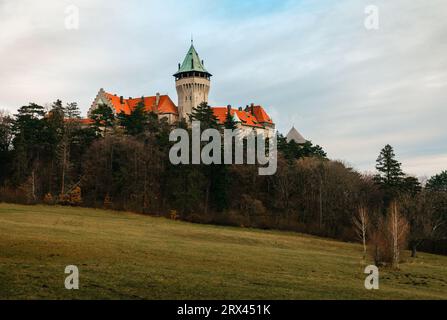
point(128, 256)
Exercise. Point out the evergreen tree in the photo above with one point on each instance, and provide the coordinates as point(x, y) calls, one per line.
point(438, 182)
point(28, 129)
point(292, 150)
point(70, 127)
point(30, 114)
point(216, 175)
point(103, 118)
point(411, 186)
point(57, 108)
point(205, 115)
point(154, 125)
point(281, 142)
point(230, 123)
point(54, 123)
point(5, 145)
point(390, 175)
point(135, 122)
point(310, 150)
point(72, 111)
point(53, 143)
point(182, 124)
point(390, 172)
point(222, 180)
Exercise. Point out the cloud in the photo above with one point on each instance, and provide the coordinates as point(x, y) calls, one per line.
point(312, 64)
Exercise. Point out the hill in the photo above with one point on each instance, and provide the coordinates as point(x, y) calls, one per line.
point(128, 256)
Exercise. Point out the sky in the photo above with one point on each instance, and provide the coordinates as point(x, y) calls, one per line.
point(311, 63)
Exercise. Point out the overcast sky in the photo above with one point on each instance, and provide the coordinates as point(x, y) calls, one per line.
point(311, 64)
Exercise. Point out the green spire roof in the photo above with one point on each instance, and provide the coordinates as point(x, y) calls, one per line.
point(192, 62)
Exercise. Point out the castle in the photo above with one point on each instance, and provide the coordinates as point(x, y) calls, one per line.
point(193, 83)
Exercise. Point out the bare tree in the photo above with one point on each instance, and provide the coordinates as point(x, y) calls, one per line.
point(424, 217)
point(6, 133)
point(70, 125)
point(397, 227)
point(360, 222)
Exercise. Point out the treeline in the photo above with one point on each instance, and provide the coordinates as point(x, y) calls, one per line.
point(122, 162)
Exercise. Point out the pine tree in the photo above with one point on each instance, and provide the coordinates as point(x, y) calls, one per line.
point(72, 111)
point(29, 132)
point(230, 123)
point(438, 182)
point(55, 147)
point(390, 175)
point(216, 176)
point(6, 136)
point(411, 186)
point(292, 150)
point(221, 181)
point(58, 108)
point(135, 122)
point(205, 115)
point(390, 172)
point(103, 118)
point(63, 150)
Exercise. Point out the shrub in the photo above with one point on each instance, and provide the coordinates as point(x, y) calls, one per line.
point(232, 218)
point(107, 202)
point(48, 199)
point(72, 198)
point(11, 195)
point(173, 215)
point(75, 197)
point(389, 238)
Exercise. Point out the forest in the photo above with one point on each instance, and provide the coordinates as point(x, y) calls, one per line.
point(121, 162)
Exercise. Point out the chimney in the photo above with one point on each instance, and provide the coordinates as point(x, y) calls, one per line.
point(252, 108)
point(240, 108)
point(130, 98)
point(157, 99)
point(229, 109)
point(179, 66)
point(121, 100)
point(203, 63)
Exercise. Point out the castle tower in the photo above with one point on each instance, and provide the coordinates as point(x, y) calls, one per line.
point(192, 82)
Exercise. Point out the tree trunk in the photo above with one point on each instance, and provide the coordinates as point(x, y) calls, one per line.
point(413, 251)
point(64, 163)
point(377, 255)
point(364, 246)
point(33, 186)
point(414, 245)
point(321, 203)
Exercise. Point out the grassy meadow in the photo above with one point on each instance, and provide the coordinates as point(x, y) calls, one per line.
point(129, 256)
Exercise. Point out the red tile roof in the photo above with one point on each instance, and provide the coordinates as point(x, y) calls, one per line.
point(246, 117)
point(165, 104)
point(254, 116)
point(261, 115)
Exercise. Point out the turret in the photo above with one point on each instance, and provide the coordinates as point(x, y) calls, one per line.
point(192, 82)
